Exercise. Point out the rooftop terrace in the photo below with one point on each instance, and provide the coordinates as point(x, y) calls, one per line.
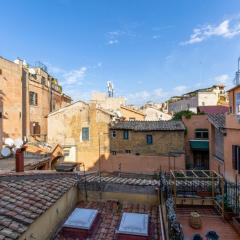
point(211, 221)
point(110, 216)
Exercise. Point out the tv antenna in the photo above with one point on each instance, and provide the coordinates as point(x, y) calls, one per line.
point(110, 88)
point(237, 76)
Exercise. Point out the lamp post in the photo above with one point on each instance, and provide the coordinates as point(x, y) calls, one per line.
point(99, 160)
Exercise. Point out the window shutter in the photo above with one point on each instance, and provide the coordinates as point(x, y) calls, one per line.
point(234, 157)
point(238, 158)
point(31, 128)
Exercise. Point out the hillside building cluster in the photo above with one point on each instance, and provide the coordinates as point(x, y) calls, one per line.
point(116, 171)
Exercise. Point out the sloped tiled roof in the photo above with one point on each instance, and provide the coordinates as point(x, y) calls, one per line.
point(149, 125)
point(218, 120)
point(23, 198)
point(213, 109)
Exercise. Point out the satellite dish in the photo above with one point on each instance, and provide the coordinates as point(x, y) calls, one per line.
point(9, 142)
point(18, 143)
point(6, 152)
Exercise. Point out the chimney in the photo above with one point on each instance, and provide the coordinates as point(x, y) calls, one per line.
point(19, 156)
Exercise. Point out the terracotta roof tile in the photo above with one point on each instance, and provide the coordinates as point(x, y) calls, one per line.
point(218, 120)
point(23, 198)
point(149, 125)
point(213, 109)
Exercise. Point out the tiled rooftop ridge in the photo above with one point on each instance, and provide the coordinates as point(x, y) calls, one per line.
point(121, 180)
point(170, 125)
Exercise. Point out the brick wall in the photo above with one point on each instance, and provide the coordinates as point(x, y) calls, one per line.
point(10, 100)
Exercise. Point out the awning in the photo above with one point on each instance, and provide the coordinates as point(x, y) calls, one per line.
point(199, 145)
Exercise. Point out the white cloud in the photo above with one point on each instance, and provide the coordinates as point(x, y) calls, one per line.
point(157, 95)
point(99, 64)
point(227, 29)
point(111, 42)
point(180, 89)
point(224, 79)
point(75, 76)
point(114, 37)
point(155, 37)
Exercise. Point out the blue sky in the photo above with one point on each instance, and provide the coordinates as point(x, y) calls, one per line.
point(149, 49)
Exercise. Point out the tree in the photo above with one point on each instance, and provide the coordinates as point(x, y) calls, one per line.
point(186, 113)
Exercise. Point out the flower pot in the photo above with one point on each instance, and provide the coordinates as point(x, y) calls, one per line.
point(236, 224)
point(204, 194)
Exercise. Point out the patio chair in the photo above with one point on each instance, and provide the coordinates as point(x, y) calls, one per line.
point(212, 235)
point(197, 237)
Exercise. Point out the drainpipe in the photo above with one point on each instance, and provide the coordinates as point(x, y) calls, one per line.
point(19, 156)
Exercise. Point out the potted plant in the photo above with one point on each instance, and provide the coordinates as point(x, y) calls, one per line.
point(228, 212)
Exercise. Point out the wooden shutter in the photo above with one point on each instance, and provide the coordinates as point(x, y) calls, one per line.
point(234, 157)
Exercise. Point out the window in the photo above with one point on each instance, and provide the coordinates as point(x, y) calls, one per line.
point(114, 134)
point(54, 105)
point(203, 103)
point(35, 128)
point(85, 134)
point(33, 98)
point(43, 81)
point(201, 133)
point(0, 71)
point(125, 134)
point(149, 139)
point(1, 115)
point(114, 153)
point(236, 157)
point(132, 119)
point(128, 151)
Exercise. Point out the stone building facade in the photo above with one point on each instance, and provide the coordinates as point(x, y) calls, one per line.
point(146, 146)
point(83, 129)
point(147, 137)
point(27, 96)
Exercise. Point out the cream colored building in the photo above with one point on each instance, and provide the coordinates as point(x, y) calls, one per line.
point(212, 96)
point(105, 102)
point(84, 129)
point(131, 114)
point(154, 114)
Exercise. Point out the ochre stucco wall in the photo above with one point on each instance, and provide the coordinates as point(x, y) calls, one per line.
point(128, 113)
point(10, 100)
point(44, 227)
point(191, 124)
point(141, 164)
point(65, 127)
